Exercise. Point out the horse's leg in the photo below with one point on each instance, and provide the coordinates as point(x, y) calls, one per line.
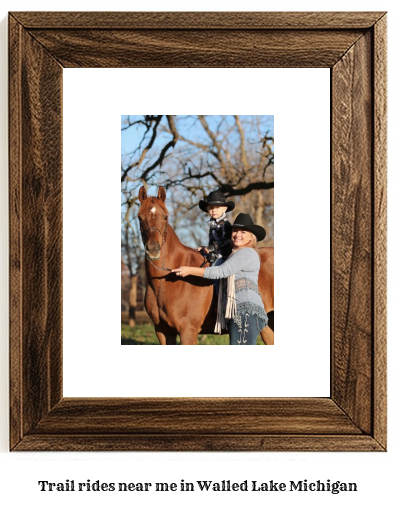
point(168, 338)
point(267, 336)
point(267, 333)
point(189, 337)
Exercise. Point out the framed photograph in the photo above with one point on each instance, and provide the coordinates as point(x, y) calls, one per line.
point(353, 46)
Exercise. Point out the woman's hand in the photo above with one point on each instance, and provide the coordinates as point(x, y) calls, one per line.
point(182, 271)
point(203, 249)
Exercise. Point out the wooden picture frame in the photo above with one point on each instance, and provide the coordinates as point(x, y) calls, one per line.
point(353, 46)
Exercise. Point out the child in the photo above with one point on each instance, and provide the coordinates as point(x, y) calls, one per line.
point(220, 228)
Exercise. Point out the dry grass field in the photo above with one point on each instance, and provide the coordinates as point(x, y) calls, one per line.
point(143, 333)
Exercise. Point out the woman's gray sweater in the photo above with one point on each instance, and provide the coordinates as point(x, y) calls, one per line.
point(244, 264)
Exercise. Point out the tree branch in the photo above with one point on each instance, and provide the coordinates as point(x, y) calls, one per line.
point(242, 143)
point(218, 153)
point(169, 145)
point(230, 191)
point(157, 120)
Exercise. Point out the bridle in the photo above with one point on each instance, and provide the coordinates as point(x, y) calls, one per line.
point(163, 237)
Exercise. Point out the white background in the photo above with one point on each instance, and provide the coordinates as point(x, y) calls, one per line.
point(298, 364)
point(373, 472)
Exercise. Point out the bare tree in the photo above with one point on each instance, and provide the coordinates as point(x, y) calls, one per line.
point(132, 260)
point(233, 154)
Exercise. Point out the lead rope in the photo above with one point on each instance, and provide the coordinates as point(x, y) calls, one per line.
point(160, 269)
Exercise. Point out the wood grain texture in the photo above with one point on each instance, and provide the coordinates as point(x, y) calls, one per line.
point(270, 416)
point(353, 45)
point(41, 230)
point(196, 48)
point(15, 227)
point(36, 166)
point(199, 443)
point(200, 20)
point(380, 229)
point(352, 257)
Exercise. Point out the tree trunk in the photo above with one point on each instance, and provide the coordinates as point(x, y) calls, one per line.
point(132, 301)
point(259, 208)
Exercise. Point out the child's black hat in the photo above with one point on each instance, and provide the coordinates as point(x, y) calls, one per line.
point(216, 198)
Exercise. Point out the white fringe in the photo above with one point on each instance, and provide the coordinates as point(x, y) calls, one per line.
point(230, 311)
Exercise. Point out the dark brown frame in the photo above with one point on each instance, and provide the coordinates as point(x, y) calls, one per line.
point(353, 46)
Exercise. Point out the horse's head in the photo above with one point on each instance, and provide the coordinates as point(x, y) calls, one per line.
point(153, 221)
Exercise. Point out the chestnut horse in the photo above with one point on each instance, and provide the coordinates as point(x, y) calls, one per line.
point(185, 306)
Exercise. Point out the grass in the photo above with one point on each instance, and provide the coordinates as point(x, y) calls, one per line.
point(143, 334)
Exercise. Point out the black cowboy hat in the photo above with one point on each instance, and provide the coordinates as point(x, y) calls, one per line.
point(244, 221)
point(216, 198)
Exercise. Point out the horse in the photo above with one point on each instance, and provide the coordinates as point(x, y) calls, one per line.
point(185, 306)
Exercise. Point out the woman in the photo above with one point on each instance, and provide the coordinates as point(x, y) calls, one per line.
point(239, 301)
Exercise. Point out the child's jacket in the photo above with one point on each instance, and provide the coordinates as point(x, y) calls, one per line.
point(219, 238)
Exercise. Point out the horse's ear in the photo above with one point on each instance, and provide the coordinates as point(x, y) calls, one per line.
point(142, 194)
point(161, 194)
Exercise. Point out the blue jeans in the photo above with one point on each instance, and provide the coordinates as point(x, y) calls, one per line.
point(245, 328)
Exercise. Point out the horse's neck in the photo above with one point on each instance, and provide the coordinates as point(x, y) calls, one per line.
point(174, 247)
point(172, 239)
